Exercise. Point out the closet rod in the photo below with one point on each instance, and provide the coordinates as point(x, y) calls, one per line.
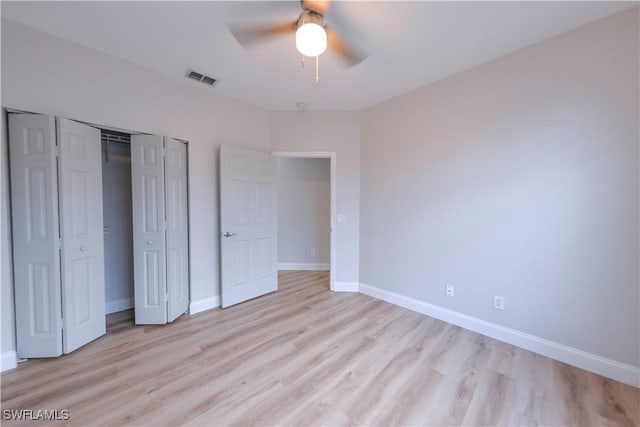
point(113, 140)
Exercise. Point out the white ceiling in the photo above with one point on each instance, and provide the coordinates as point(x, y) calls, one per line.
point(410, 44)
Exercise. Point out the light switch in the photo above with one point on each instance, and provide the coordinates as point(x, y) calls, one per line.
point(342, 218)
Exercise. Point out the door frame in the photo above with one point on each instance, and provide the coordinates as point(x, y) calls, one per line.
point(331, 155)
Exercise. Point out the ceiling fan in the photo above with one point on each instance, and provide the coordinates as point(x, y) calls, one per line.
point(313, 35)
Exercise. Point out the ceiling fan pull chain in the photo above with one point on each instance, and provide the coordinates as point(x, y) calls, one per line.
point(317, 73)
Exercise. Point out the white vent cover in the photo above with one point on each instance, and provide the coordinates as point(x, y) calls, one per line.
point(201, 77)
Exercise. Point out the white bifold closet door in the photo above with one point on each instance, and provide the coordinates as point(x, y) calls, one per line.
point(160, 224)
point(56, 202)
point(177, 228)
point(36, 242)
point(82, 230)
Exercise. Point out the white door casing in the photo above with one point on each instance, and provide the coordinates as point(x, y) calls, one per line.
point(36, 250)
point(149, 252)
point(81, 225)
point(248, 224)
point(177, 227)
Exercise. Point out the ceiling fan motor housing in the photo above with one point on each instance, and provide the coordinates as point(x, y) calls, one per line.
point(309, 16)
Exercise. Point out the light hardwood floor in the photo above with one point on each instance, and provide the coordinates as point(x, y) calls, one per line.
point(307, 356)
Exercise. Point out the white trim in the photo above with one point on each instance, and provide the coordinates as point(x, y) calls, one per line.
point(204, 304)
point(308, 266)
point(346, 287)
point(9, 360)
point(591, 362)
point(118, 305)
point(331, 155)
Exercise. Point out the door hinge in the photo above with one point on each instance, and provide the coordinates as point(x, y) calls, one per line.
point(59, 243)
point(57, 151)
point(60, 323)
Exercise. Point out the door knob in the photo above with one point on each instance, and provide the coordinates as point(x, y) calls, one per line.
point(149, 242)
point(227, 234)
point(83, 248)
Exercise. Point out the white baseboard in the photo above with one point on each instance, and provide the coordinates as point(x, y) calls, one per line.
point(204, 304)
point(591, 362)
point(308, 266)
point(346, 287)
point(118, 305)
point(9, 360)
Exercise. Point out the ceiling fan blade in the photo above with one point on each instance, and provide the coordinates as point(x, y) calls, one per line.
point(319, 6)
point(348, 53)
point(248, 35)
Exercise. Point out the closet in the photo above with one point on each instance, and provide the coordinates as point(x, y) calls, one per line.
point(118, 220)
point(59, 232)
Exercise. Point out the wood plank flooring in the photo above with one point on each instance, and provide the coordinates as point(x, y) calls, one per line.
point(307, 356)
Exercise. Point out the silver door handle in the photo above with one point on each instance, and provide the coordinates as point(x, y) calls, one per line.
point(83, 248)
point(149, 242)
point(227, 234)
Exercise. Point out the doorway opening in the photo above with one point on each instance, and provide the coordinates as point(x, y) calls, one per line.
point(306, 211)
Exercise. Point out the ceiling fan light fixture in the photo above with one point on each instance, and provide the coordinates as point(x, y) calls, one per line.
point(311, 37)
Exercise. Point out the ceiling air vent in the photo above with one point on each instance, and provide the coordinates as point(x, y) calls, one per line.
point(201, 78)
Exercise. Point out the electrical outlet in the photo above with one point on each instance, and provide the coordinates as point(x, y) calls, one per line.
point(498, 302)
point(342, 218)
point(450, 291)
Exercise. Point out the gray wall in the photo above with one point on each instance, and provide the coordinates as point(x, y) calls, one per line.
point(303, 210)
point(517, 178)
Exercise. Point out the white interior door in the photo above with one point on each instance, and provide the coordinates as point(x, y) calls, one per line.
point(36, 250)
point(80, 181)
point(248, 224)
point(149, 253)
point(177, 228)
